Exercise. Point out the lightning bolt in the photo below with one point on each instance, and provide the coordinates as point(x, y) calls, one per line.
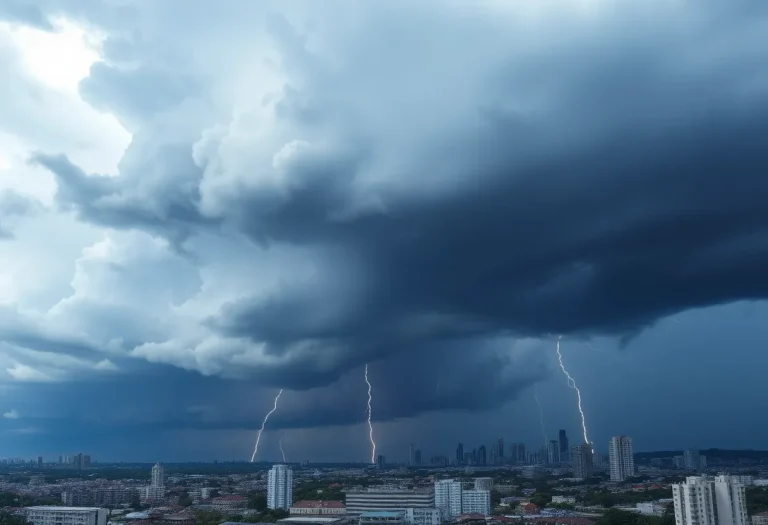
point(281, 449)
point(572, 384)
point(263, 424)
point(541, 412)
point(368, 413)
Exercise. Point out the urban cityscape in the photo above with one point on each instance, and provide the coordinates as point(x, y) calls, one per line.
point(557, 484)
point(383, 262)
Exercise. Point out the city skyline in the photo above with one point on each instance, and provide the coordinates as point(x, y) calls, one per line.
point(195, 217)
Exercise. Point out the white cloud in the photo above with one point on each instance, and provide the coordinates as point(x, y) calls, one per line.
point(11, 414)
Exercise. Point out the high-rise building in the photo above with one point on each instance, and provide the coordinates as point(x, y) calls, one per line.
point(563, 439)
point(553, 452)
point(707, 501)
point(280, 487)
point(581, 457)
point(39, 461)
point(460, 454)
point(476, 502)
point(86, 462)
point(158, 476)
point(521, 457)
point(481, 455)
point(448, 498)
point(621, 458)
point(417, 457)
point(411, 455)
point(500, 447)
point(380, 462)
point(692, 460)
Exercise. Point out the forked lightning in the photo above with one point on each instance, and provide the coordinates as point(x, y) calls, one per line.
point(572, 384)
point(368, 413)
point(263, 424)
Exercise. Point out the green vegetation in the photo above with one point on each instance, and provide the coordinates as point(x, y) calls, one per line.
point(10, 499)
point(318, 491)
point(608, 499)
point(257, 500)
point(207, 517)
point(757, 500)
point(10, 519)
point(622, 517)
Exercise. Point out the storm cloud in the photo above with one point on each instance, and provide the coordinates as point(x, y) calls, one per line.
point(309, 190)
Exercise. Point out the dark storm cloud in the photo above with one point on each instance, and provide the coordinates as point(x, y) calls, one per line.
point(590, 183)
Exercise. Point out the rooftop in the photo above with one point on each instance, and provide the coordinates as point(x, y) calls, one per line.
point(309, 519)
point(318, 504)
point(62, 509)
point(381, 514)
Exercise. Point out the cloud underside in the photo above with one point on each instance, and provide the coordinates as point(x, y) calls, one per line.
point(506, 171)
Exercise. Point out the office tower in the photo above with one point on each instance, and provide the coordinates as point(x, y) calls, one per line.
point(157, 476)
point(484, 484)
point(481, 455)
point(280, 487)
point(521, 457)
point(411, 455)
point(39, 462)
point(78, 463)
point(621, 458)
point(581, 457)
point(380, 462)
point(553, 452)
point(86, 461)
point(563, 439)
point(707, 501)
point(500, 447)
point(448, 498)
point(476, 502)
point(417, 457)
point(692, 460)
point(494, 454)
point(460, 454)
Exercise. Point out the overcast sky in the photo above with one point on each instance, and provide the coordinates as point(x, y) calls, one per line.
point(204, 202)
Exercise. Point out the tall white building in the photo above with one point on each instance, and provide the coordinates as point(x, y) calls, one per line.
point(45, 515)
point(158, 475)
point(280, 487)
point(448, 498)
point(476, 502)
point(156, 489)
point(621, 458)
point(706, 501)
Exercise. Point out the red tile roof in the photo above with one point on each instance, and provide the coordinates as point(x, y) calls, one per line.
point(318, 504)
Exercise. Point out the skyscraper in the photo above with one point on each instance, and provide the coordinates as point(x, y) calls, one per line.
point(563, 439)
point(621, 458)
point(280, 487)
point(448, 498)
point(411, 455)
point(500, 447)
point(380, 462)
point(460, 454)
point(553, 452)
point(481, 455)
point(581, 457)
point(157, 476)
point(707, 501)
point(417, 457)
point(521, 456)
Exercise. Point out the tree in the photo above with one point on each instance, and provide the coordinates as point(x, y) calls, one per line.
point(257, 500)
point(10, 519)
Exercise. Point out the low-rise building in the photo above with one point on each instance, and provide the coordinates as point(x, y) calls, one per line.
point(382, 518)
point(760, 519)
point(228, 503)
point(423, 516)
point(318, 508)
point(51, 515)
